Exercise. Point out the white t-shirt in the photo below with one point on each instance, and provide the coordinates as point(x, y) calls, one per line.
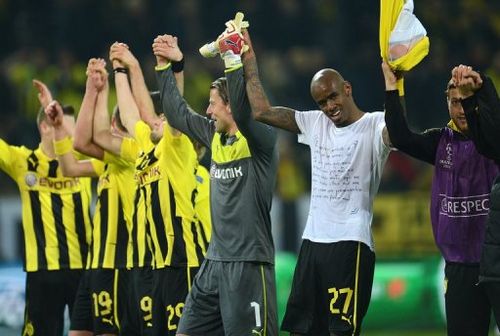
point(347, 164)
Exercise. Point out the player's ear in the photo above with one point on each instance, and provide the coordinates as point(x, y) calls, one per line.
point(347, 89)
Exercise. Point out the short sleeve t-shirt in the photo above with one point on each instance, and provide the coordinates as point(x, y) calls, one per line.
point(347, 164)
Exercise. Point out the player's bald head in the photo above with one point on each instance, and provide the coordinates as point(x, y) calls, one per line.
point(326, 81)
point(325, 77)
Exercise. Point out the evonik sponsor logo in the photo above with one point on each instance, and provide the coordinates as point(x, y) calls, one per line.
point(226, 173)
point(148, 175)
point(32, 180)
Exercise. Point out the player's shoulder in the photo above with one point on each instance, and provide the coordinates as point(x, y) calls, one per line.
point(4, 145)
point(373, 119)
point(309, 113)
point(375, 115)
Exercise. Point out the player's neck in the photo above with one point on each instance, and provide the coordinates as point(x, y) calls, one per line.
point(232, 130)
point(355, 113)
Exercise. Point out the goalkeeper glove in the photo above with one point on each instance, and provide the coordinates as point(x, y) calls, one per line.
point(230, 44)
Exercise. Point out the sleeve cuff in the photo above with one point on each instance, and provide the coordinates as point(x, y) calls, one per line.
point(163, 67)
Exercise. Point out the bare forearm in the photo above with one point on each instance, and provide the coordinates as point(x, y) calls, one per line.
point(129, 112)
point(71, 167)
point(101, 115)
point(84, 122)
point(102, 127)
point(60, 132)
point(282, 117)
point(141, 94)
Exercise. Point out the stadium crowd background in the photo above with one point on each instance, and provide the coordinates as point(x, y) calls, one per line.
point(52, 41)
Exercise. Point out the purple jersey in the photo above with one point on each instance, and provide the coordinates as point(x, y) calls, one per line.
point(460, 197)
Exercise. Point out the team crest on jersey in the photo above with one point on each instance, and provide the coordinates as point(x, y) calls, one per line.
point(30, 179)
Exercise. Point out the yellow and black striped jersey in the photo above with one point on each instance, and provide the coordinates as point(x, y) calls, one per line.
point(202, 203)
point(164, 199)
point(55, 209)
point(111, 245)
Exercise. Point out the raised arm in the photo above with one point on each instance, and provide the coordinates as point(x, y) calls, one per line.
point(44, 95)
point(481, 90)
point(421, 146)
point(129, 112)
point(70, 166)
point(278, 116)
point(122, 53)
point(102, 134)
point(257, 133)
point(83, 137)
point(176, 109)
point(482, 109)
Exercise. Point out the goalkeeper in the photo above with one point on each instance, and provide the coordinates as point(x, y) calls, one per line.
point(234, 291)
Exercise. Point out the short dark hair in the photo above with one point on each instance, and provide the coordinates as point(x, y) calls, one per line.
point(67, 110)
point(220, 84)
point(449, 86)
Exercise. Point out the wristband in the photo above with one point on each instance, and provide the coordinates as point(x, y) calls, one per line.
point(63, 146)
point(178, 66)
point(120, 70)
point(163, 67)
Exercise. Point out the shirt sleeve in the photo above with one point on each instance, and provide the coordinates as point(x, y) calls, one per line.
point(305, 121)
point(260, 137)
point(143, 136)
point(421, 146)
point(98, 165)
point(179, 114)
point(482, 111)
point(129, 150)
point(9, 155)
point(381, 148)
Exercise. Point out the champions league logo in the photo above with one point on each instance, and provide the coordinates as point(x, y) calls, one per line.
point(448, 162)
point(30, 179)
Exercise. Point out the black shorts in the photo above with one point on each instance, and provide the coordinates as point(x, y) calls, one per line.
point(101, 302)
point(467, 307)
point(170, 288)
point(47, 295)
point(104, 289)
point(140, 303)
point(331, 289)
point(231, 298)
point(81, 317)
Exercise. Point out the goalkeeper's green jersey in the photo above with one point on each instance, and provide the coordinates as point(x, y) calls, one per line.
point(242, 172)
